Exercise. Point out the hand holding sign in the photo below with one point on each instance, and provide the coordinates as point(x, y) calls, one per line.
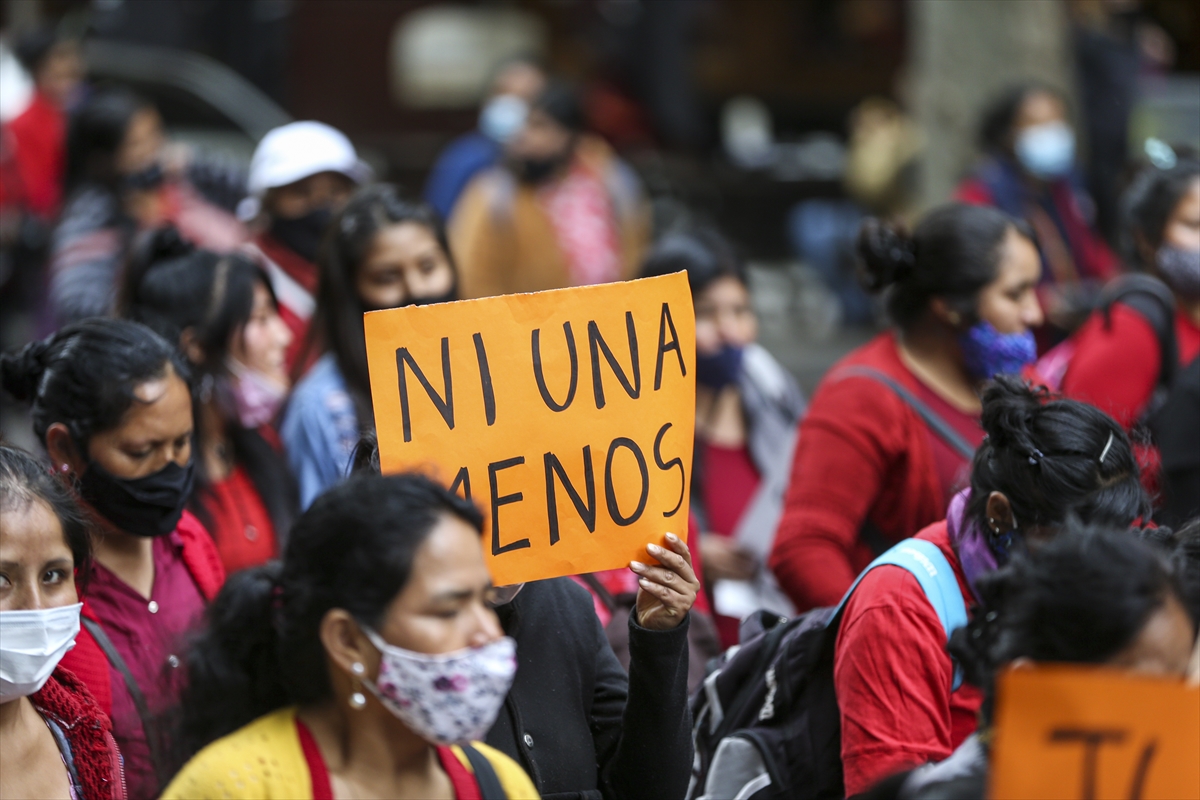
point(665, 593)
point(567, 415)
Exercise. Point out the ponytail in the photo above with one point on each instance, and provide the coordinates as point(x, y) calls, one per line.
point(233, 668)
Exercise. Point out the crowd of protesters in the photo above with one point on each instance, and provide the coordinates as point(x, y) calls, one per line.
point(208, 590)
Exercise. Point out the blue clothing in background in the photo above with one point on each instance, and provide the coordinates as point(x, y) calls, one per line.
point(320, 429)
point(462, 159)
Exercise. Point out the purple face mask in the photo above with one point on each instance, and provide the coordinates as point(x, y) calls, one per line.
point(989, 353)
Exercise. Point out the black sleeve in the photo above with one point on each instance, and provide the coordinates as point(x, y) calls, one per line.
point(643, 738)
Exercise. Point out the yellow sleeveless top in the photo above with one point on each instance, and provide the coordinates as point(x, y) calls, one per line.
point(264, 761)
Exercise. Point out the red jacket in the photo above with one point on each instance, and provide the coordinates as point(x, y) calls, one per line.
point(200, 555)
point(66, 700)
point(862, 454)
point(893, 677)
point(1116, 366)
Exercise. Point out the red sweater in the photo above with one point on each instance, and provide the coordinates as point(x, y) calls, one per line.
point(862, 454)
point(66, 700)
point(87, 660)
point(893, 676)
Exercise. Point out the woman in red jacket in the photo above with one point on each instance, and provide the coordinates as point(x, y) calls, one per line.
point(1041, 463)
point(1118, 358)
point(111, 404)
point(223, 315)
point(868, 470)
point(57, 742)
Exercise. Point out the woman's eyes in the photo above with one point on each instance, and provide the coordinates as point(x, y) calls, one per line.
point(54, 576)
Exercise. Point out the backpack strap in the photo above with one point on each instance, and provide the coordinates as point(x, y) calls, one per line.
point(925, 561)
point(940, 427)
point(135, 692)
point(1155, 303)
point(490, 787)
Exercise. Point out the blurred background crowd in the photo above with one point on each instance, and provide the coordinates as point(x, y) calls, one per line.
point(899, 200)
point(783, 123)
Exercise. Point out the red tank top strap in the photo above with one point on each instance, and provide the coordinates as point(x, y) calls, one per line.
point(461, 778)
point(322, 789)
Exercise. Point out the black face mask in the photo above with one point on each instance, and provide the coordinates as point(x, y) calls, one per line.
point(537, 170)
point(144, 179)
point(149, 506)
point(303, 234)
point(450, 295)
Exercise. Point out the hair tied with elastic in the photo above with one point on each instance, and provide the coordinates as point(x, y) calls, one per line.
point(1036, 456)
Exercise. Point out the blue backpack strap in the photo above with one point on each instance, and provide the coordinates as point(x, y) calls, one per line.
point(925, 561)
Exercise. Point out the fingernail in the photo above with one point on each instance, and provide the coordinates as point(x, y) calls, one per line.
point(645, 582)
point(653, 548)
point(672, 537)
point(636, 566)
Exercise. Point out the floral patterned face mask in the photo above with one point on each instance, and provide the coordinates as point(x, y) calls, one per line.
point(446, 699)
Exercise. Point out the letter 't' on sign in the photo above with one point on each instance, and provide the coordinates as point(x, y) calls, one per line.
point(565, 416)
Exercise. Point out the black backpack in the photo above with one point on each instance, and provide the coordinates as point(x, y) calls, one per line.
point(766, 724)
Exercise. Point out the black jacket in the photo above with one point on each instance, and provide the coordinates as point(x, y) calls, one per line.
point(574, 720)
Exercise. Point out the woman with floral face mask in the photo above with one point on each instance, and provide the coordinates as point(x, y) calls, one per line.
point(222, 312)
point(112, 407)
point(366, 664)
point(887, 439)
point(57, 742)
point(1121, 359)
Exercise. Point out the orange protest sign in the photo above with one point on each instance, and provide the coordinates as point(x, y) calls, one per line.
point(1080, 733)
point(566, 415)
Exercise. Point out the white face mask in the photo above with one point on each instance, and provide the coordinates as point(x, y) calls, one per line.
point(31, 645)
point(445, 699)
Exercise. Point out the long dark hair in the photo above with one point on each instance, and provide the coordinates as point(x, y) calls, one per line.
point(94, 137)
point(352, 549)
point(25, 479)
point(172, 287)
point(953, 254)
point(84, 376)
point(1053, 459)
point(339, 314)
point(1080, 598)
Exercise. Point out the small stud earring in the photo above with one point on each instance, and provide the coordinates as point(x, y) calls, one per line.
point(65, 467)
point(357, 669)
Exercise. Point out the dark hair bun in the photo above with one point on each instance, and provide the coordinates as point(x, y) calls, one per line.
point(886, 252)
point(1009, 408)
point(21, 370)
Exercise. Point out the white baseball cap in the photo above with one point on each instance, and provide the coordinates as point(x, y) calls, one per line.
point(297, 150)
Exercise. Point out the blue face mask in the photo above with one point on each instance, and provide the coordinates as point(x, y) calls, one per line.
point(1046, 151)
point(988, 352)
point(502, 116)
point(719, 369)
